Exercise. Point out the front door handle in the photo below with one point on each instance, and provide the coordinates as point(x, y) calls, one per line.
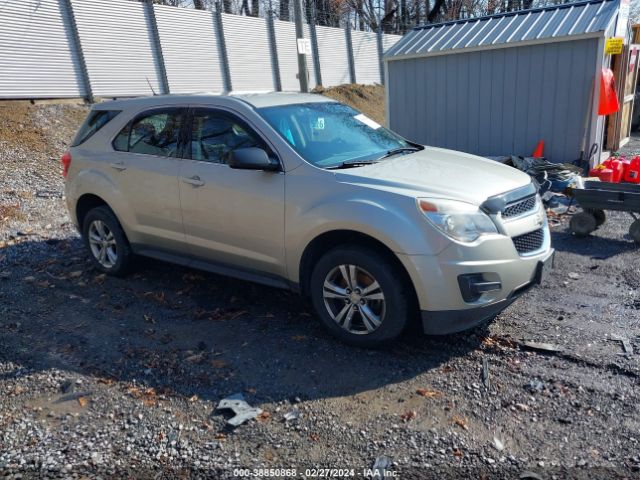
point(195, 181)
point(119, 166)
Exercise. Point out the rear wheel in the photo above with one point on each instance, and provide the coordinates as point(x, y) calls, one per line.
point(361, 296)
point(106, 241)
point(599, 215)
point(583, 223)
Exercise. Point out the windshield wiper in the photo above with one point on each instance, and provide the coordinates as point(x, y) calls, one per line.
point(351, 164)
point(395, 151)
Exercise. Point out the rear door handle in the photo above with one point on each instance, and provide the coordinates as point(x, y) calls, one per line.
point(195, 181)
point(118, 166)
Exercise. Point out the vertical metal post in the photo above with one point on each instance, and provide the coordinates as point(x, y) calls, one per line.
point(352, 65)
point(222, 49)
point(380, 53)
point(273, 49)
point(76, 47)
point(154, 36)
point(302, 60)
point(314, 45)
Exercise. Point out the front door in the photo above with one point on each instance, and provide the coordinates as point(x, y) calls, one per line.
point(232, 217)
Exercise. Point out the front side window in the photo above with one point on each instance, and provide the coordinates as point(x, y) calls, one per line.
point(327, 133)
point(157, 133)
point(215, 134)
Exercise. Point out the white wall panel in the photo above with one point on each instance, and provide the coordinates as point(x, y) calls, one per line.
point(37, 59)
point(117, 47)
point(190, 48)
point(334, 63)
point(247, 43)
point(287, 55)
point(389, 41)
point(365, 57)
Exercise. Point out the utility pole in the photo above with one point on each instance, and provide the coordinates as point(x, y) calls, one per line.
point(302, 58)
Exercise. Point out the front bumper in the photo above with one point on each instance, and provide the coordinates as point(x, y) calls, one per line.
point(443, 307)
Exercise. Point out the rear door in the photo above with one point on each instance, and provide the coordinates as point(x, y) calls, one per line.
point(147, 162)
point(232, 217)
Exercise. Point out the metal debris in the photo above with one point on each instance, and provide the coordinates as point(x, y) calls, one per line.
point(485, 373)
point(626, 344)
point(292, 415)
point(243, 411)
point(381, 466)
point(545, 347)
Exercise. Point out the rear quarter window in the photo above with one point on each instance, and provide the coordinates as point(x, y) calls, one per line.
point(94, 122)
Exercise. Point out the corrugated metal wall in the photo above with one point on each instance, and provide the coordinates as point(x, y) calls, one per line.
point(365, 56)
point(120, 48)
point(334, 62)
point(117, 47)
point(36, 56)
point(498, 101)
point(287, 54)
point(190, 49)
point(249, 57)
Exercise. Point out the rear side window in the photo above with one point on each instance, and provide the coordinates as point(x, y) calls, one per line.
point(94, 122)
point(155, 133)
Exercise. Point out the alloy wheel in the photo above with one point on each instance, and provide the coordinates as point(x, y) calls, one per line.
point(354, 299)
point(103, 244)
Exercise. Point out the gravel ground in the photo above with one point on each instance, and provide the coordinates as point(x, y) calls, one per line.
point(121, 377)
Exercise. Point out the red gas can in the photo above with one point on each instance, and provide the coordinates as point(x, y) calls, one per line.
point(632, 172)
point(618, 168)
point(606, 175)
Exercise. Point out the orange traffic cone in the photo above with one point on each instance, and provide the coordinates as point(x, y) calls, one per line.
point(537, 153)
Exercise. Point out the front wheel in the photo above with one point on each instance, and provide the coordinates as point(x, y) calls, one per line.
point(361, 296)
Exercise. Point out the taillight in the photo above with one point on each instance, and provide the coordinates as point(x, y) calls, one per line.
point(66, 163)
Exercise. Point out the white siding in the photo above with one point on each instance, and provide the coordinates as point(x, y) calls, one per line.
point(190, 48)
point(36, 54)
point(365, 57)
point(117, 47)
point(389, 41)
point(334, 63)
point(247, 43)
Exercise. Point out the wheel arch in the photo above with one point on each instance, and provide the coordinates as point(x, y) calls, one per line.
point(329, 240)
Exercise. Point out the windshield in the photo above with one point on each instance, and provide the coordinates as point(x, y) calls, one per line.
point(327, 134)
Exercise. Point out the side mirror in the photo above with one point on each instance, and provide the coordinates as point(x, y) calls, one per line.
point(252, 158)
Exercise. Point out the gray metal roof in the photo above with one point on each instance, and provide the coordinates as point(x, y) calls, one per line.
point(556, 21)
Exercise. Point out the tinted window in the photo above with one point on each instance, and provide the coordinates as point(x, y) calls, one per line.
point(94, 122)
point(326, 134)
point(214, 134)
point(157, 133)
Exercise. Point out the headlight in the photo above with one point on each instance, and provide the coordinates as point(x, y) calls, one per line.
point(461, 221)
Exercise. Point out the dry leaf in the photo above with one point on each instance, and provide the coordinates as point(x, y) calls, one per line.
point(99, 279)
point(461, 422)
point(264, 416)
point(458, 453)
point(218, 363)
point(82, 401)
point(75, 274)
point(423, 392)
point(408, 416)
point(193, 398)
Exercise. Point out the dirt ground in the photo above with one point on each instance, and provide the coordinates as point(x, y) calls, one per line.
point(121, 377)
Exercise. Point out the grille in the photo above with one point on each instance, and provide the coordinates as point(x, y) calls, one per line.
point(529, 242)
point(520, 207)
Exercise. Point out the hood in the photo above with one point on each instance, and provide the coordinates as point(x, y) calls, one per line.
point(439, 173)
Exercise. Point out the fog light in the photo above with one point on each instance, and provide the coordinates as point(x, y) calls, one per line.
point(473, 285)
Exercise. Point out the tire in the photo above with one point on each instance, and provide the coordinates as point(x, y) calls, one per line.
point(389, 304)
point(599, 215)
point(582, 224)
point(114, 255)
point(634, 230)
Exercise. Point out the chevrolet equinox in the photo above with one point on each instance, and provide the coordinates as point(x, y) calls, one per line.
point(301, 192)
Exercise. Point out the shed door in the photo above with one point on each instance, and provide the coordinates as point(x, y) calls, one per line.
point(625, 69)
